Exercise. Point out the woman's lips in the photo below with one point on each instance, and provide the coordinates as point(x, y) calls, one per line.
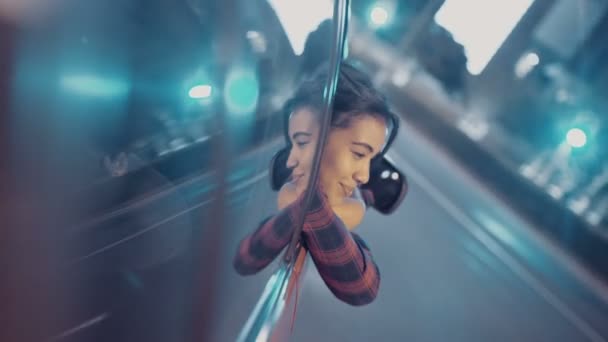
point(296, 178)
point(348, 191)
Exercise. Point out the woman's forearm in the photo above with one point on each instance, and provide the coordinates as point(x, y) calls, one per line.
point(258, 249)
point(343, 261)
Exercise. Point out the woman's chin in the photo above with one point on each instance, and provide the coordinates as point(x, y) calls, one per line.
point(337, 197)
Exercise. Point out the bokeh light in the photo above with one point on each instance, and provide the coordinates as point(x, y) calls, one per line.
point(379, 16)
point(576, 137)
point(241, 91)
point(202, 91)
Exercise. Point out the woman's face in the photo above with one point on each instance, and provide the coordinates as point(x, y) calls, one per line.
point(346, 159)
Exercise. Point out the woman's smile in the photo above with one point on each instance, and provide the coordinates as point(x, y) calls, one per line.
point(347, 191)
point(297, 177)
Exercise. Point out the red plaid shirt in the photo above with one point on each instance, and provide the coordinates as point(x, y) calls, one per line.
point(342, 258)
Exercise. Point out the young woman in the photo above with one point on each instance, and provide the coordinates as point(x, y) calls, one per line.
point(359, 127)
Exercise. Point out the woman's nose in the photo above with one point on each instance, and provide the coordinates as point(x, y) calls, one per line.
point(292, 161)
point(362, 176)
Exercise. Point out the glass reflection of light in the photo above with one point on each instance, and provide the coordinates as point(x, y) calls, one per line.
point(497, 229)
point(91, 85)
point(257, 41)
point(526, 64)
point(402, 77)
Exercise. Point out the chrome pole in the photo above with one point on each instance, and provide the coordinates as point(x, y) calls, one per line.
point(340, 20)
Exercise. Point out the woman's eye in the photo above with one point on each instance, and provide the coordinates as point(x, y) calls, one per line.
point(358, 155)
point(301, 143)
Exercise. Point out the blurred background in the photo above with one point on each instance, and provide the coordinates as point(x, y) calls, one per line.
point(136, 138)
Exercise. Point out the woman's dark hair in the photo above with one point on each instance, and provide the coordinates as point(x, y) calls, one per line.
point(355, 96)
point(316, 48)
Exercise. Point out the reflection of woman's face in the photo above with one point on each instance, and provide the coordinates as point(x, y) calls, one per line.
point(347, 154)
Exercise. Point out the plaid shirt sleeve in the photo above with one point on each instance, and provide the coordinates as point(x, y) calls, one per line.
point(342, 258)
point(257, 250)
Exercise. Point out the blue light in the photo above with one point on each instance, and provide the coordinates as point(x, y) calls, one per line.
point(91, 85)
point(241, 91)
